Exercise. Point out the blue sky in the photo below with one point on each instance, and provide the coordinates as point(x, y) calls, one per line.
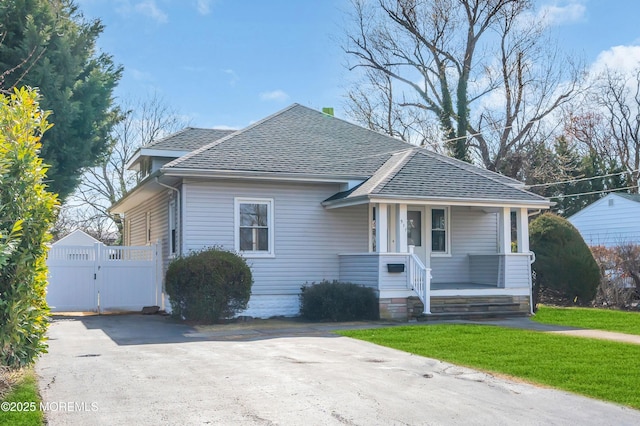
point(232, 62)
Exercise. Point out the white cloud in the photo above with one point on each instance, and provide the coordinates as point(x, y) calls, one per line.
point(140, 75)
point(557, 14)
point(150, 9)
point(203, 6)
point(274, 95)
point(233, 76)
point(224, 127)
point(622, 59)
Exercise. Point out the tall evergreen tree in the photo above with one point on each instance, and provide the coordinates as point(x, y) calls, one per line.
point(49, 44)
point(574, 180)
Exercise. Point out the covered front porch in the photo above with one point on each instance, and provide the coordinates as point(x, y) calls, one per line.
point(441, 252)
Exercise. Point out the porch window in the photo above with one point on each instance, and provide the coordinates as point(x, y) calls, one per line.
point(414, 228)
point(254, 226)
point(373, 229)
point(439, 231)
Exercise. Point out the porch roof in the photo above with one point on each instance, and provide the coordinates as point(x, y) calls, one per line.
point(418, 174)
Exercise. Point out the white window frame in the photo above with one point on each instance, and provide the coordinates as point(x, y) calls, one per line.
point(270, 226)
point(173, 227)
point(447, 232)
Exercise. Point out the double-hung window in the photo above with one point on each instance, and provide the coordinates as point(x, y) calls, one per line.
point(440, 231)
point(254, 227)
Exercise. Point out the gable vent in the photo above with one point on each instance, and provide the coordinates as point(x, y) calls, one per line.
point(611, 202)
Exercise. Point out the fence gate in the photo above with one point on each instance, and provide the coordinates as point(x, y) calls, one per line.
point(103, 278)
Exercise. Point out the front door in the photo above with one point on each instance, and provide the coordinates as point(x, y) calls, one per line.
point(416, 234)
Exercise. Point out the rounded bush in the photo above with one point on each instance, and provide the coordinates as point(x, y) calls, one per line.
point(564, 264)
point(208, 285)
point(336, 301)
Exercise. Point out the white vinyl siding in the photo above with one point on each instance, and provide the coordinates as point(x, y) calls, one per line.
point(307, 237)
point(610, 221)
point(471, 232)
point(515, 264)
point(360, 269)
point(157, 211)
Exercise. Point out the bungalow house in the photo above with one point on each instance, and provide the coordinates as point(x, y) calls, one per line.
point(610, 221)
point(305, 197)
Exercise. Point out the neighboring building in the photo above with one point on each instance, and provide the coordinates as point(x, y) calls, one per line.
point(610, 221)
point(76, 238)
point(306, 197)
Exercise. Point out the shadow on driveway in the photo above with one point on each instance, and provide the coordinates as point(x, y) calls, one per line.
point(138, 329)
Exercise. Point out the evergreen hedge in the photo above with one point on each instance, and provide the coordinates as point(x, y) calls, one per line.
point(337, 301)
point(564, 263)
point(208, 285)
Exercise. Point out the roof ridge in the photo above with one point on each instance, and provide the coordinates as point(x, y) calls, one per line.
point(469, 166)
point(229, 136)
point(363, 128)
point(209, 128)
point(393, 171)
point(472, 169)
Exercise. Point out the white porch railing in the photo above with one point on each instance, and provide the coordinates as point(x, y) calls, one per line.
point(420, 280)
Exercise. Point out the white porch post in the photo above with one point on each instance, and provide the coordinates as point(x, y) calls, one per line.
point(522, 216)
point(382, 228)
point(401, 229)
point(505, 231)
point(393, 229)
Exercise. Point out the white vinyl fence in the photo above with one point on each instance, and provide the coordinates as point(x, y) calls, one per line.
point(103, 278)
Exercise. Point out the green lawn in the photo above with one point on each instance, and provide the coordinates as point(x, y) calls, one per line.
point(599, 319)
point(25, 391)
point(600, 369)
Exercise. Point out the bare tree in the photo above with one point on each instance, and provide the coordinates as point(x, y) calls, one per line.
point(372, 102)
point(143, 122)
point(608, 123)
point(481, 68)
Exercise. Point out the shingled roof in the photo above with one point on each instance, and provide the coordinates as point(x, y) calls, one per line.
point(297, 140)
point(419, 173)
point(189, 139)
point(300, 140)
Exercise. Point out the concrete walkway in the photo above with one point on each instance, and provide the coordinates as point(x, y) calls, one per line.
point(150, 370)
point(257, 328)
point(528, 324)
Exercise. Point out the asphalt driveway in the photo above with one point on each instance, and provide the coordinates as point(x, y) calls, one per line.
point(149, 370)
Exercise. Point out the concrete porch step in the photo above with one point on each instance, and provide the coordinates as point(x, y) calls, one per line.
point(471, 307)
point(475, 307)
point(441, 316)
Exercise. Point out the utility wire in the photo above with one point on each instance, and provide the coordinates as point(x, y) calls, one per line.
point(594, 192)
point(580, 180)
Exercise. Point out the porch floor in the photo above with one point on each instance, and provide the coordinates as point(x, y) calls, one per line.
point(461, 286)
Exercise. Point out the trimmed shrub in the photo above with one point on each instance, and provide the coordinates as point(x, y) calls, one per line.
point(564, 264)
point(27, 212)
point(208, 285)
point(336, 301)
